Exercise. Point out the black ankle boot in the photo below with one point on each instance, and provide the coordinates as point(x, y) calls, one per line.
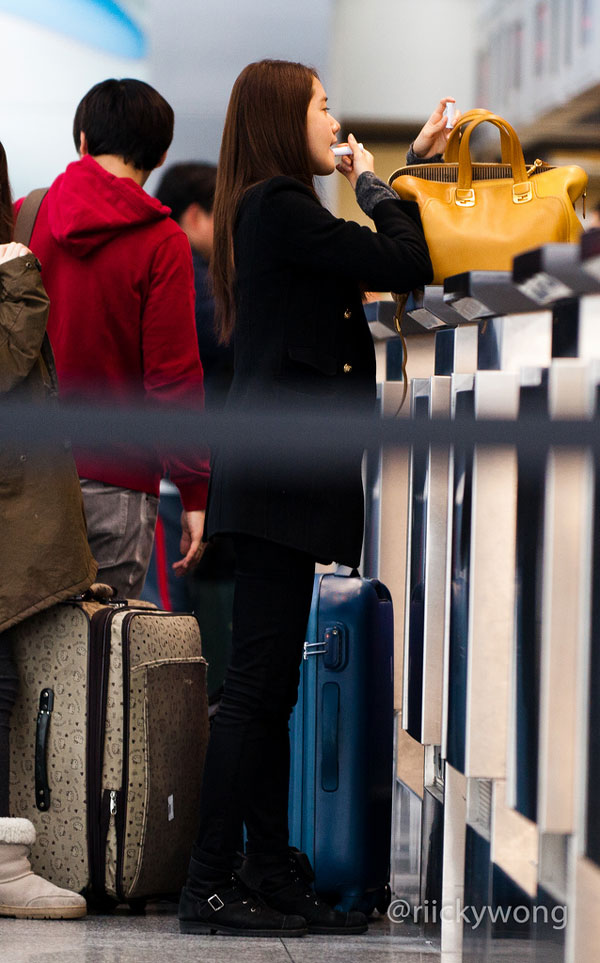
point(285, 884)
point(223, 904)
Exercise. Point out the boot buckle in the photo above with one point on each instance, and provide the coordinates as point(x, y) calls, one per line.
point(215, 902)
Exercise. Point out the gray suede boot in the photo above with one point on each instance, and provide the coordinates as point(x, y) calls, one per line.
point(22, 893)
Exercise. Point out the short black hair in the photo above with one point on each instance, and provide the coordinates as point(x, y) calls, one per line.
point(185, 184)
point(127, 118)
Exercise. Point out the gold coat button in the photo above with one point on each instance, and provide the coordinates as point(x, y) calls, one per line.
point(347, 313)
point(347, 368)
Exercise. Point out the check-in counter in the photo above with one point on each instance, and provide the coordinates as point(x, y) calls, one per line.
point(455, 339)
point(511, 788)
point(478, 659)
point(426, 571)
point(474, 748)
point(569, 769)
point(515, 331)
point(555, 276)
point(427, 575)
point(386, 486)
point(490, 851)
point(425, 615)
point(499, 556)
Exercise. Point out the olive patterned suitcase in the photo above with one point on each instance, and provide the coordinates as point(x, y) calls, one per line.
point(108, 739)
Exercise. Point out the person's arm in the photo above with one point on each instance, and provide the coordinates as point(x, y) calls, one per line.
point(173, 375)
point(24, 308)
point(430, 143)
point(395, 258)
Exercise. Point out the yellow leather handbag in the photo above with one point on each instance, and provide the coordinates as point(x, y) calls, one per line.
point(479, 216)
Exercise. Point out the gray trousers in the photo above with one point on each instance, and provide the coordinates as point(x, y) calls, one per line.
point(121, 525)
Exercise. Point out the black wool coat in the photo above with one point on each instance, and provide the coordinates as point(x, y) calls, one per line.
point(302, 342)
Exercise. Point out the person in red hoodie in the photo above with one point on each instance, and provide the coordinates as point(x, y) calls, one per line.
point(119, 274)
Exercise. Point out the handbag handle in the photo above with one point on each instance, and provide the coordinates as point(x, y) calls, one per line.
point(451, 152)
point(522, 190)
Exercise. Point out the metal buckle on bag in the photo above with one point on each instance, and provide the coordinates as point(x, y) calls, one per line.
point(464, 197)
point(522, 193)
point(217, 904)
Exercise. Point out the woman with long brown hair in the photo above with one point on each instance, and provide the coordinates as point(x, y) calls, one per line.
point(287, 277)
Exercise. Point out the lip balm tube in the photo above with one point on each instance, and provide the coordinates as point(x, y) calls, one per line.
point(344, 149)
point(450, 109)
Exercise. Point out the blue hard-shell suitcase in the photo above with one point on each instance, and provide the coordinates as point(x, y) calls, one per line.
point(341, 735)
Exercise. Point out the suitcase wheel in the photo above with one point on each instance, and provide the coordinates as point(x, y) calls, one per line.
point(137, 907)
point(369, 902)
point(384, 898)
point(364, 903)
point(105, 905)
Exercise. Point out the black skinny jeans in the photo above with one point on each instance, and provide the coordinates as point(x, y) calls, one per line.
point(246, 776)
point(9, 683)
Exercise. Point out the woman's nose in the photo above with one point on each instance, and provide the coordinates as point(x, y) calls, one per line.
point(335, 125)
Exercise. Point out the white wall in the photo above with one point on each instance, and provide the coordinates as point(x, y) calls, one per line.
point(45, 72)
point(199, 48)
point(50, 57)
point(394, 59)
point(559, 57)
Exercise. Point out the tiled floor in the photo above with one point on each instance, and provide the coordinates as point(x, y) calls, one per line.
point(155, 938)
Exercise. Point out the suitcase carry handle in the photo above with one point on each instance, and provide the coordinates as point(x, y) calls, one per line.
point(100, 592)
point(42, 788)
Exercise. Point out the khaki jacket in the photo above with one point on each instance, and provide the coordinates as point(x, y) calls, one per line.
point(44, 553)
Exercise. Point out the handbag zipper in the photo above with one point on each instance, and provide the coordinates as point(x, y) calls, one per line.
point(537, 163)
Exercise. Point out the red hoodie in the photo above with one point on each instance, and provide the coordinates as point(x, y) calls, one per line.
point(119, 274)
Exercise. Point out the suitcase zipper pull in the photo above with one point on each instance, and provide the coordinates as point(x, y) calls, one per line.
point(113, 802)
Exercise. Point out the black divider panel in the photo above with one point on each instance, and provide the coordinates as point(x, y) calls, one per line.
point(418, 542)
point(432, 858)
point(477, 897)
point(444, 351)
point(565, 328)
point(528, 608)
point(459, 599)
point(488, 349)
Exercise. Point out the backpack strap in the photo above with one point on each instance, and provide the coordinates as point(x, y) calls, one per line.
point(27, 215)
point(25, 223)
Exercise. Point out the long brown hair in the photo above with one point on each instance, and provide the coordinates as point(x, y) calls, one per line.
point(6, 207)
point(265, 135)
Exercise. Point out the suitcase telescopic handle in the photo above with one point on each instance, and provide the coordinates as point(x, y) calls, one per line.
point(42, 788)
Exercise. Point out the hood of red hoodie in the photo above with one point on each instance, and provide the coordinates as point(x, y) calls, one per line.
point(88, 206)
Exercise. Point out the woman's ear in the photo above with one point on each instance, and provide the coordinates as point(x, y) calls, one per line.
point(83, 147)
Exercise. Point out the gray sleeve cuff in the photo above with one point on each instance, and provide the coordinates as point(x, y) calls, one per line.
point(412, 158)
point(370, 191)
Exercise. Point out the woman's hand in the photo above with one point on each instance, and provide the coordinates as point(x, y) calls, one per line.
point(434, 134)
point(353, 166)
point(10, 251)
